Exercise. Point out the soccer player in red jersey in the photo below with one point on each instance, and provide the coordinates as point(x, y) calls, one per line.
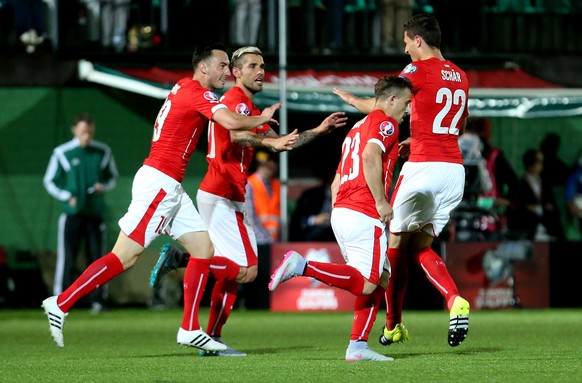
point(431, 182)
point(159, 204)
point(360, 214)
point(221, 196)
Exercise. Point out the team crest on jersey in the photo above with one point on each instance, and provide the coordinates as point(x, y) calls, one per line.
point(210, 96)
point(386, 129)
point(242, 108)
point(410, 68)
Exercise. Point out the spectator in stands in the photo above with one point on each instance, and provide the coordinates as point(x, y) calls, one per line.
point(469, 216)
point(536, 216)
point(501, 197)
point(555, 171)
point(311, 219)
point(247, 18)
point(395, 14)
point(334, 26)
point(107, 22)
point(79, 173)
point(573, 193)
point(28, 22)
point(307, 20)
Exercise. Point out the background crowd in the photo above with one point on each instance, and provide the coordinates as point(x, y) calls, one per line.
point(499, 203)
point(314, 26)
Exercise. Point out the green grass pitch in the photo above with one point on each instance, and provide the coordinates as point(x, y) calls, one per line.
point(139, 345)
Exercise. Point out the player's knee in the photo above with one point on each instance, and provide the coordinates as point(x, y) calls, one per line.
point(247, 274)
point(384, 278)
point(368, 288)
point(127, 260)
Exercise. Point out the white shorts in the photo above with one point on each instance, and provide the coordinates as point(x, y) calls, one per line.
point(362, 241)
point(229, 228)
point(425, 195)
point(158, 205)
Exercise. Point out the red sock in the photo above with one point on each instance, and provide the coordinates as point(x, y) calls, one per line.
point(224, 268)
point(195, 279)
point(96, 274)
point(365, 311)
point(396, 286)
point(437, 273)
point(342, 276)
point(223, 297)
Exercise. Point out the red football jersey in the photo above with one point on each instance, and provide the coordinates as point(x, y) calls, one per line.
point(440, 93)
point(353, 193)
point(178, 126)
point(228, 163)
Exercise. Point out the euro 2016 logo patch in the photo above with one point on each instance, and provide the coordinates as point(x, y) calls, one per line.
point(409, 69)
point(386, 129)
point(242, 108)
point(210, 96)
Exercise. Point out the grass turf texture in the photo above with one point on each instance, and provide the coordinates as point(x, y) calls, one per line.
point(138, 345)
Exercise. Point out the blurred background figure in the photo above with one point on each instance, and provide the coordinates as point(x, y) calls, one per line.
point(263, 204)
point(501, 199)
point(497, 199)
point(263, 199)
point(29, 22)
point(247, 18)
point(555, 170)
point(395, 14)
point(470, 219)
point(311, 219)
point(335, 25)
point(536, 216)
point(573, 194)
point(79, 173)
point(107, 22)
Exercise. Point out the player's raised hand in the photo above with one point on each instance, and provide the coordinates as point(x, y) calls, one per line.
point(346, 96)
point(270, 111)
point(334, 121)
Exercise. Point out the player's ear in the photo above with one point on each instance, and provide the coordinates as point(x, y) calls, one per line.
point(203, 68)
point(236, 72)
point(391, 100)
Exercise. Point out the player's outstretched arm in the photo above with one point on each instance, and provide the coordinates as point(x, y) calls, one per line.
point(271, 140)
point(331, 122)
point(364, 105)
point(231, 120)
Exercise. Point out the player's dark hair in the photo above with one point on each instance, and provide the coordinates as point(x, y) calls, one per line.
point(389, 85)
point(85, 117)
point(201, 54)
point(425, 26)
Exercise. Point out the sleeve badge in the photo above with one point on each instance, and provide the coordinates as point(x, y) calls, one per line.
point(386, 129)
point(242, 108)
point(210, 96)
point(409, 69)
